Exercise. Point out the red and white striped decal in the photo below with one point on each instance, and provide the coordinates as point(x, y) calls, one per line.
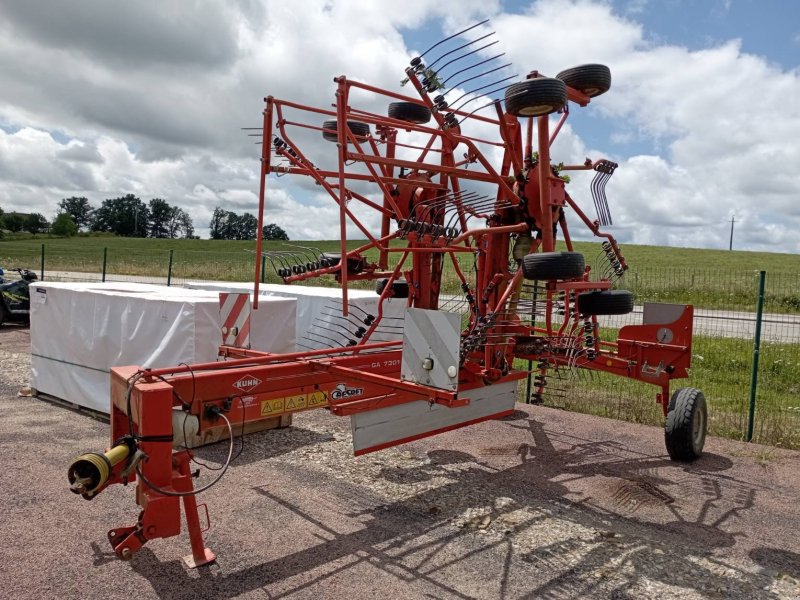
point(234, 317)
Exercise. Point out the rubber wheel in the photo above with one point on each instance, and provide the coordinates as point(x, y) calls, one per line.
point(3, 314)
point(687, 422)
point(553, 265)
point(409, 112)
point(591, 80)
point(332, 259)
point(399, 288)
point(359, 129)
point(535, 97)
point(606, 302)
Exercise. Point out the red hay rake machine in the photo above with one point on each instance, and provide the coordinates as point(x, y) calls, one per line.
point(454, 175)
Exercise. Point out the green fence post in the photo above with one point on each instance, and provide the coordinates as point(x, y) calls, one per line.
point(42, 269)
point(762, 276)
point(105, 260)
point(263, 269)
point(169, 270)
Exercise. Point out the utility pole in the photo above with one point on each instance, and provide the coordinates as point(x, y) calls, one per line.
point(730, 243)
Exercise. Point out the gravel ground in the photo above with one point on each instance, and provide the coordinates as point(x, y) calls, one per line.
point(544, 504)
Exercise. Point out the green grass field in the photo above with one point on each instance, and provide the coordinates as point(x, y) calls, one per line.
point(721, 369)
point(202, 251)
point(705, 278)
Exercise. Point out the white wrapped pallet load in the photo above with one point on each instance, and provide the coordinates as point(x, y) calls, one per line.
point(80, 330)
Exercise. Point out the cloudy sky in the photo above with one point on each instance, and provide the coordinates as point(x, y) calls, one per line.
point(101, 98)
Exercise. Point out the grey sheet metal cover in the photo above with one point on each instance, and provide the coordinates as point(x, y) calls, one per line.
point(431, 340)
point(378, 429)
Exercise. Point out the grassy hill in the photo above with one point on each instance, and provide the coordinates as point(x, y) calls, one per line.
point(638, 257)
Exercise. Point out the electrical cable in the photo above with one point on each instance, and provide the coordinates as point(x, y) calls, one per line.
point(164, 492)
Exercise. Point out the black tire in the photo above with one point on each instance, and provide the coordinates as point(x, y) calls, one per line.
point(686, 425)
point(329, 259)
point(591, 80)
point(399, 288)
point(332, 259)
point(359, 129)
point(535, 97)
point(3, 313)
point(606, 302)
point(410, 112)
point(553, 265)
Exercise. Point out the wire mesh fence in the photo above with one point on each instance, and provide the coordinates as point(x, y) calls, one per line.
point(725, 343)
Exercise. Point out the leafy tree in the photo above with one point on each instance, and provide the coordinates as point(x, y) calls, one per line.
point(180, 224)
point(227, 225)
point(64, 225)
point(2, 225)
point(126, 215)
point(274, 232)
point(218, 224)
point(79, 209)
point(246, 227)
point(35, 223)
point(14, 222)
point(161, 216)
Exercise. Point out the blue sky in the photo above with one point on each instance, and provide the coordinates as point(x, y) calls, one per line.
point(104, 97)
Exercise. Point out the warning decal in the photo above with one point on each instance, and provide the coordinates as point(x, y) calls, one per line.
point(272, 407)
point(277, 406)
point(317, 399)
point(295, 402)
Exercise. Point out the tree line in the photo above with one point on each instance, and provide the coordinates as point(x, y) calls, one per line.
point(129, 216)
point(227, 225)
point(125, 216)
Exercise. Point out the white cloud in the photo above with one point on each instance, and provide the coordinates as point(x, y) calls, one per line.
point(150, 100)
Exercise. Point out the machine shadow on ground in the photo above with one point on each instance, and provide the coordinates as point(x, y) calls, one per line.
point(629, 517)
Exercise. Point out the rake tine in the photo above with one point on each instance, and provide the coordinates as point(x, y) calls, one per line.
point(440, 42)
point(477, 64)
point(479, 76)
point(461, 47)
point(477, 89)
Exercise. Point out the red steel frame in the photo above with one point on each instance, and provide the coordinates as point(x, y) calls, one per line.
point(142, 400)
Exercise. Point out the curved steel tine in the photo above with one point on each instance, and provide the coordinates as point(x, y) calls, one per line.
point(477, 89)
point(477, 64)
point(461, 47)
point(440, 42)
point(479, 76)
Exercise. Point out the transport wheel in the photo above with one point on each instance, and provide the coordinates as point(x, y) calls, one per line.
point(591, 80)
point(535, 97)
point(399, 288)
point(553, 265)
point(409, 112)
point(687, 423)
point(605, 302)
point(3, 314)
point(359, 129)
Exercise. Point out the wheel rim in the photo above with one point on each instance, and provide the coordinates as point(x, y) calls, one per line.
point(539, 109)
point(698, 429)
point(591, 91)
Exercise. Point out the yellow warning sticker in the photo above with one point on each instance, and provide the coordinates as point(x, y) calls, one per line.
point(272, 407)
point(317, 399)
point(295, 402)
point(276, 406)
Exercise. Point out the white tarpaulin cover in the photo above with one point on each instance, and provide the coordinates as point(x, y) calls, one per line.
point(80, 330)
point(319, 312)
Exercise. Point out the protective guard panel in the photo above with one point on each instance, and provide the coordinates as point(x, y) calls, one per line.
point(431, 341)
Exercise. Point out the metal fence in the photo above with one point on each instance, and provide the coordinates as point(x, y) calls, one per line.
point(746, 350)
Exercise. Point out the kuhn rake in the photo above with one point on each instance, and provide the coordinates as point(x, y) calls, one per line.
point(445, 175)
